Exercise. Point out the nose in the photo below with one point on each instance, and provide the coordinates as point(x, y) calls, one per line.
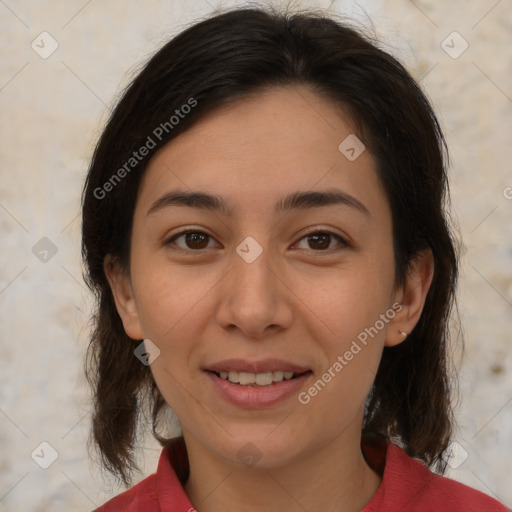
point(254, 298)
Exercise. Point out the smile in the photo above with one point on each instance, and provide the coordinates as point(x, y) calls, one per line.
point(257, 390)
point(256, 379)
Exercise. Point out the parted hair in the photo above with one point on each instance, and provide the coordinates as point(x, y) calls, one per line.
point(227, 56)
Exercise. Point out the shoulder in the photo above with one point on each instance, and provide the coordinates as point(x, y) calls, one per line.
point(142, 496)
point(162, 490)
point(409, 484)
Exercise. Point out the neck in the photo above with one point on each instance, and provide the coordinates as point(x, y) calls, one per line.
point(333, 476)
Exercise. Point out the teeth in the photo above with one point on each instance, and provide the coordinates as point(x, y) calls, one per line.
point(258, 379)
point(278, 376)
point(264, 379)
point(246, 378)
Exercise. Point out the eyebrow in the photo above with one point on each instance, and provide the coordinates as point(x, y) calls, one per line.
point(294, 201)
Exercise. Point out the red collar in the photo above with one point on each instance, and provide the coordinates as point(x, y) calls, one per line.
point(172, 473)
point(406, 485)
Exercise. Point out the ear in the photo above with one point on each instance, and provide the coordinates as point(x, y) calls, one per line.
point(412, 297)
point(126, 305)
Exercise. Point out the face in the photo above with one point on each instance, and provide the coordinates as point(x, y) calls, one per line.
point(247, 280)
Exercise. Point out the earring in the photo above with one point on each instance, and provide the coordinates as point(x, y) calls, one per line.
point(403, 333)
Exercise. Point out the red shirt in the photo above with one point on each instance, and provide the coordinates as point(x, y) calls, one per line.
point(407, 485)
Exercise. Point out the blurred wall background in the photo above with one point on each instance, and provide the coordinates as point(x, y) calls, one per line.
point(63, 63)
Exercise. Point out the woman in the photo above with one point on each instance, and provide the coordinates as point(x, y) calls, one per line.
point(264, 229)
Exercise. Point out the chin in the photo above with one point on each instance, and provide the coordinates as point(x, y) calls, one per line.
point(257, 451)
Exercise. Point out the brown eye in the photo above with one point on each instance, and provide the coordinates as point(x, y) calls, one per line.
point(196, 240)
point(321, 241)
point(191, 240)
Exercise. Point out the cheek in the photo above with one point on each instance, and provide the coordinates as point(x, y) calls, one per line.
point(351, 339)
point(348, 300)
point(352, 313)
point(171, 305)
point(170, 297)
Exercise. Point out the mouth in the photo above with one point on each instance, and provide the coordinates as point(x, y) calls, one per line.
point(256, 384)
point(262, 379)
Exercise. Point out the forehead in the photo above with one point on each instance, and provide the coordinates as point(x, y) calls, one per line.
point(259, 148)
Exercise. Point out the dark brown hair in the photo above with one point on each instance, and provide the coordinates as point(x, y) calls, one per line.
point(226, 57)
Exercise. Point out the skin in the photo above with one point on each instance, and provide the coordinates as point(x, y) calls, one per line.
point(301, 300)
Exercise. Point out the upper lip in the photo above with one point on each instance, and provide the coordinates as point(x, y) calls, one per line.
point(263, 366)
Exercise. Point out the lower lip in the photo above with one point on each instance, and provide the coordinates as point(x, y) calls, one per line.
point(246, 397)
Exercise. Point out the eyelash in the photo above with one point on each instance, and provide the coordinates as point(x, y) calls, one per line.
point(170, 242)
